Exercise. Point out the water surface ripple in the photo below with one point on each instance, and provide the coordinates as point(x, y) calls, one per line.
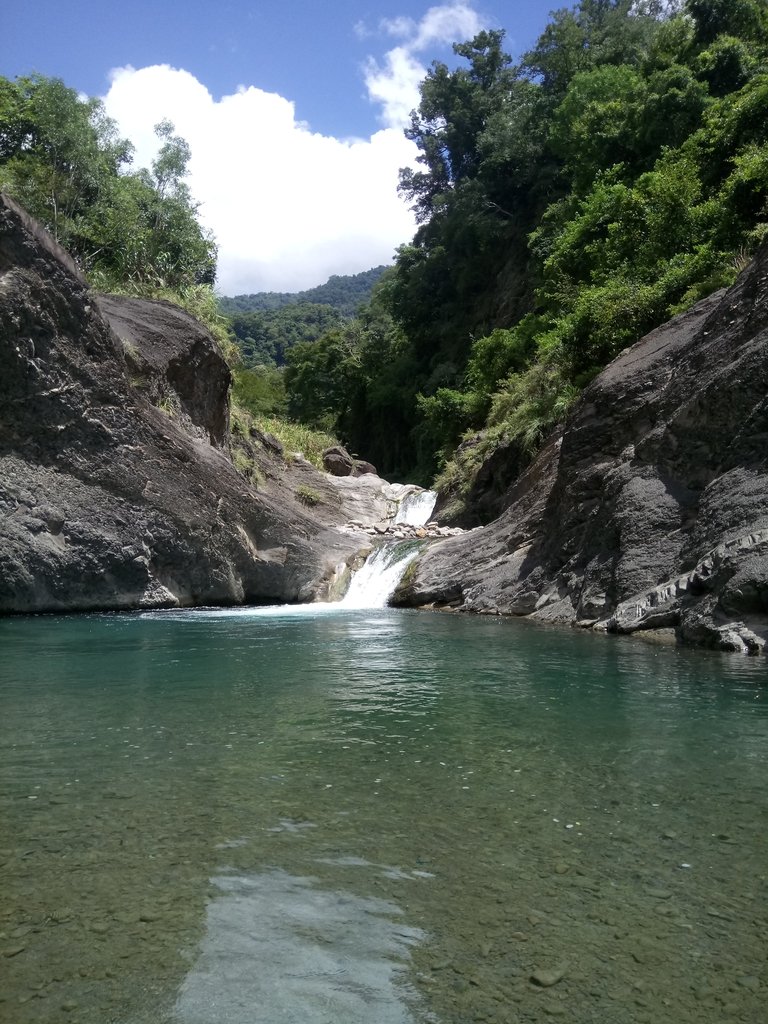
point(329, 816)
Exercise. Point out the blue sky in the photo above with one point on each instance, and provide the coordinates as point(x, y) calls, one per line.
point(294, 110)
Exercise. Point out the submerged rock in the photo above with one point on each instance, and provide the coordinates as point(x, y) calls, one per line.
point(649, 508)
point(547, 977)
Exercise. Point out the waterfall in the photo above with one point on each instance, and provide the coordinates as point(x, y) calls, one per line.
point(374, 584)
point(416, 508)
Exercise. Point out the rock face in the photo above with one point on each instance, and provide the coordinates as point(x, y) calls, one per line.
point(650, 508)
point(171, 357)
point(116, 485)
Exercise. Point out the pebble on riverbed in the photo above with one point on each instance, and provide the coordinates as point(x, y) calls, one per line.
point(544, 978)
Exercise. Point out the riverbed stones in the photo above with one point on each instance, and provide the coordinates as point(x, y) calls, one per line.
point(402, 531)
point(750, 982)
point(546, 977)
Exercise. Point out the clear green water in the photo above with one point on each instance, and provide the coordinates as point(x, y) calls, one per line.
point(378, 816)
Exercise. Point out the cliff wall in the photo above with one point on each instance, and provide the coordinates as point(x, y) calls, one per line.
point(116, 485)
point(649, 509)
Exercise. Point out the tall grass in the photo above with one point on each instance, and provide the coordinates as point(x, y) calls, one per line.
point(294, 437)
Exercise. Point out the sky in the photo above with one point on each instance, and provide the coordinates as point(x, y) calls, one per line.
point(294, 111)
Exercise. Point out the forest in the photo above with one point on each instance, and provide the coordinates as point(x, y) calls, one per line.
point(567, 201)
point(267, 324)
point(344, 292)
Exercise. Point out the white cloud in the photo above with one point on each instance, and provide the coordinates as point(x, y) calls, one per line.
point(453, 22)
point(288, 206)
point(395, 83)
point(402, 26)
point(361, 30)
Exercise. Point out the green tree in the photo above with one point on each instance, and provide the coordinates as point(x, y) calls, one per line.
point(61, 157)
point(259, 390)
point(171, 163)
point(58, 152)
point(360, 381)
point(322, 376)
point(742, 18)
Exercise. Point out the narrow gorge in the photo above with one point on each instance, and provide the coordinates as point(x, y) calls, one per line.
point(646, 510)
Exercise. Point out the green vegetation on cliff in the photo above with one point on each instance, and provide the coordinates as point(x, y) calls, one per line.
point(568, 203)
point(61, 158)
point(134, 233)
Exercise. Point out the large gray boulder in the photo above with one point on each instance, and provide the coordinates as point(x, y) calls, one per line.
point(171, 357)
point(650, 508)
point(116, 485)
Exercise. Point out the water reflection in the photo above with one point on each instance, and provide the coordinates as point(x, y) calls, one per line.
point(278, 947)
point(528, 797)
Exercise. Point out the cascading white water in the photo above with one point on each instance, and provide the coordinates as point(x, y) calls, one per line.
point(373, 585)
point(415, 509)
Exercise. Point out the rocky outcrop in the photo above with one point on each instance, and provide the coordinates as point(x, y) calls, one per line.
point(650, 508)
point(116, 485)
point(170, 356)
point(338, 462)
point(487, 495)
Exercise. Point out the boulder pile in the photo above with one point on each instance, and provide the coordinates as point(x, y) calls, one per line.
point(403, 531)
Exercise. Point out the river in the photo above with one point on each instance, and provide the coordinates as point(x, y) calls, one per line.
point(338, 816)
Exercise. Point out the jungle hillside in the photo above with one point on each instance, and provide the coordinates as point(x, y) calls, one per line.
point(568, 203)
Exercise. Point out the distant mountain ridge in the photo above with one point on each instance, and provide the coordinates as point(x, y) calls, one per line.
point(344, 292)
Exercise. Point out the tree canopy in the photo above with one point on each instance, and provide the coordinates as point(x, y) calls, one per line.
point(61, 157)
point(567, 203)
point(265, 336)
